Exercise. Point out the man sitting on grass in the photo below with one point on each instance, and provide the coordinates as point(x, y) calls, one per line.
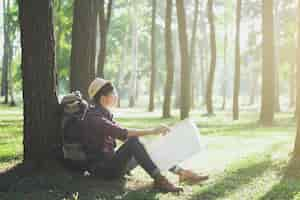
point(100, 132)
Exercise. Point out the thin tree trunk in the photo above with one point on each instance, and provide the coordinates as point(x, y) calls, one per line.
point(268, 75)
point(169, 61)
point(277, 56)
point(41, 120)
point(224, 88)
point(134, 54)
point(203, 57)
point(83, 53)
point(177, 72)
point(10, 75)
point(104, 21)
point(237, 75)
point(292, 85)
point(4, 85)
point(153, 58)
point(185, 67)
point(192, 53)
point(211, 75)
point(254, 85)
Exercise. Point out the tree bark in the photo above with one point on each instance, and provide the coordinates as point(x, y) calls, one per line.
point(83, 51)
point(169, 61)
point(268, 75)
point(5, 60)
point(224, 88)
point(134, 56)
point(104, 21)
point(192, 53)
point(297, 140)
point(185, 67)
point(203, 45)
point(254, 83)
point(277, 56)
point(153, 58)
point(10, 74)
point(237, 74)
point(211, 75)
point(41, 120)
point(292, 85)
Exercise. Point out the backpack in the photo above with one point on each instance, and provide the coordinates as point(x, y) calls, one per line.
point(74, 110)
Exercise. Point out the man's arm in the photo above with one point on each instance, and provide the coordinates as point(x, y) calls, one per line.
point(152, 131)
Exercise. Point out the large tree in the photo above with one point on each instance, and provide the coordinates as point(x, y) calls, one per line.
point(213, 49)
point(104, 21)
point(185, 67)
point(153, 58)
point(237, 73)
point(169, 60)
point(41, 133)
point(83, 51)
point(268, 75)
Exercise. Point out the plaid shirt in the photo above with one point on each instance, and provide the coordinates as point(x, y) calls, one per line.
point(100, 132)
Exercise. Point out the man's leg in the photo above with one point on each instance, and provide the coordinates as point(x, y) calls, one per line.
point(133, 149)
point(184, 174)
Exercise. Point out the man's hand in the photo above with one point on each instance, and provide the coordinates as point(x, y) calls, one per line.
point(161, 130)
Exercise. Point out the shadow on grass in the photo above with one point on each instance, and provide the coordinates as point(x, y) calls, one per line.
point(23, 182)
point(232, 180)
point(221, 128)
point(289, 185)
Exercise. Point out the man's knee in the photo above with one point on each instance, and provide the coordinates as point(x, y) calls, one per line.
point(133, 140)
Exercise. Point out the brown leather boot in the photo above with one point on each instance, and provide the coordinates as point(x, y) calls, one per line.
point(190, 177)
point(162, 184)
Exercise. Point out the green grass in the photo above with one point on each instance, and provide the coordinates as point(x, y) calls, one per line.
point(244, 160)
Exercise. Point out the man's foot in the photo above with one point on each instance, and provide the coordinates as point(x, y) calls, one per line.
point(162, 184)
point(190, 177)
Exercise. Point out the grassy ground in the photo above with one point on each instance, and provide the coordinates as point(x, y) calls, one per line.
point(244, 160)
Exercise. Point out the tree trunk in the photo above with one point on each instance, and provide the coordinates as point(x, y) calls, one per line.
point(153, 58)
point(268, 75)
point(5, 60)
point(203, 57)
point(224, 88)
point(277, 56)
point(104, 20)
point(185, 67)
point(169, 61)
point(254, 81)
point(292, 85)
point(237, 74)
point(83, 51)
point(211, 75)
point(297, 140)
point(41, 120)
point(192, 53)
point(10, 74)
point(177, 71)
point(134, 56)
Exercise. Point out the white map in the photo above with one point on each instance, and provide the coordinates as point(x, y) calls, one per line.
point(177, 146)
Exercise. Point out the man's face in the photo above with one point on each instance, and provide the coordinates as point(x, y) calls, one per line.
point(111, 99)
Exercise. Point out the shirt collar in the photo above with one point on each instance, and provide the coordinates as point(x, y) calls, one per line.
point(104, 111)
